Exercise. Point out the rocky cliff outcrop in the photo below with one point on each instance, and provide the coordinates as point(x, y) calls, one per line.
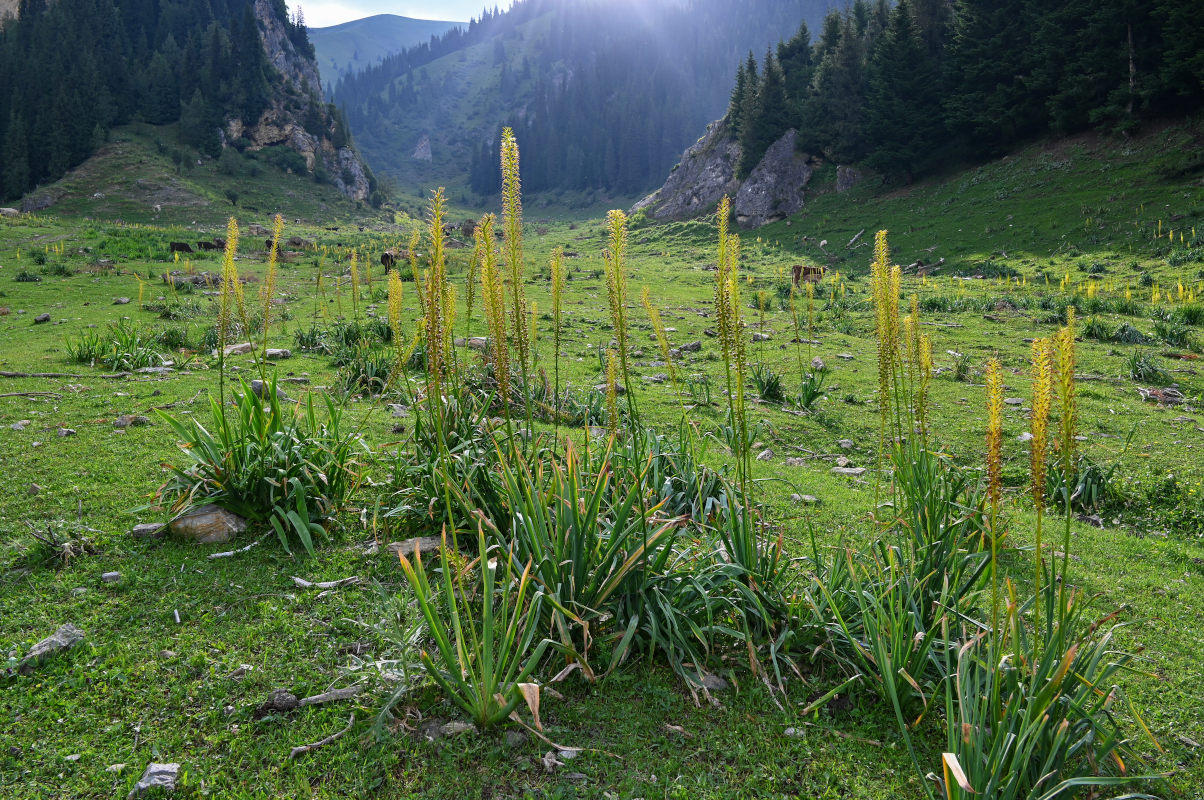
point(706, 172)
point(8, 8)
point(774, 190)
point(296, 101)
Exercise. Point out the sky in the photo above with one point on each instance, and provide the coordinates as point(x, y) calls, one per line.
point(323, 13)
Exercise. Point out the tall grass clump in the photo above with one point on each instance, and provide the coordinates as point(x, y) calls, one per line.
point(287, 467)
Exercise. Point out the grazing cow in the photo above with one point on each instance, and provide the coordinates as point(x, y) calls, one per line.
point(297, 243)
point(180, 247)
point(207, 246)
point(468, 228)
point(808, 273)
point(389, 258)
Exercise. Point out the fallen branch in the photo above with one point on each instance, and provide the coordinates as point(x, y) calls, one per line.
point(305, 748)
point(61, 375)
point(853, 241)
point(231, 553)
point(304, 584)
point(31, 394)
point(179, 402)
point(333, 696)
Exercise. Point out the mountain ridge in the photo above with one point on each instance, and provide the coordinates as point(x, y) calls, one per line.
point(351, 46)
point(601, 99)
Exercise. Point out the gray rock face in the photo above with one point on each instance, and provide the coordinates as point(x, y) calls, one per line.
point(208, 525)
point(706, 173)
point(161, 776)
point(284, 57)
point(425, 545)
point(9, 212)
point(258, 388)
point(774, 189)
point(846, 178)
point(239, 349)
point(131, 421)
point(66, 637)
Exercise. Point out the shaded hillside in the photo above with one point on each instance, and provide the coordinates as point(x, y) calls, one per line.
point(603, 94)
point(232, 73)
point(910, 90)
point(356, 45)
point(142, 175)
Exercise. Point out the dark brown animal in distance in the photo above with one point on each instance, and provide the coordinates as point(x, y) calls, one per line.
point(389, 258)
point(180, 247)
point(808, 273)
point(207, 246)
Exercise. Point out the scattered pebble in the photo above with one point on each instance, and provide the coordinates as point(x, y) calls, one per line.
point(156, 776)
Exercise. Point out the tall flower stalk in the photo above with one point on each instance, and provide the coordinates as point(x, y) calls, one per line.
point(1068, 428)
point(269, 292)
point(616, 293)
point(994, 472)
point(662, 337)
point(557, 268)
point(355, 285)
point(493, 305)
point(512, 246)
point(1042, 351)
point(231, 292)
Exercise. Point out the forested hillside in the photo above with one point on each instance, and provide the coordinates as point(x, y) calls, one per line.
point(906, 88)
point(603, 94)
point(70, 70)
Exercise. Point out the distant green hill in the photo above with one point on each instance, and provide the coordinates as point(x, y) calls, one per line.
point(355, 45)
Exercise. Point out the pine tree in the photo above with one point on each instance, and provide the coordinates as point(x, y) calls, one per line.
point(903, 100)
point(15, 177)
point(739, 91)
point(752, 88)
point(834, 117)
point(988, 57)
point(794, 57)
point(770, 118)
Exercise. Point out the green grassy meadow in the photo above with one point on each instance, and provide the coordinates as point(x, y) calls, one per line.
point(1084, 222)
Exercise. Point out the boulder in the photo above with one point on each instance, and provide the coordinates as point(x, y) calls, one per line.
point(156, 776)
point(240, 349)
point(41, 318)
point(278, 354)
point(851, 472)
point(774, 189)
point(692, 347)
point(846, 178)
point(259, 389)
point(66, 637)
point(425, 545)
point(208, 525)
point(147, 530)
point(706, 173)
point(9, 212)
point(131, 421)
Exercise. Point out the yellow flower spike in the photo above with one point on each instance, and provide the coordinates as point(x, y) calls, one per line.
point(994, 378)
point(512, 238)
point(396, 298)
point(493, 302)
